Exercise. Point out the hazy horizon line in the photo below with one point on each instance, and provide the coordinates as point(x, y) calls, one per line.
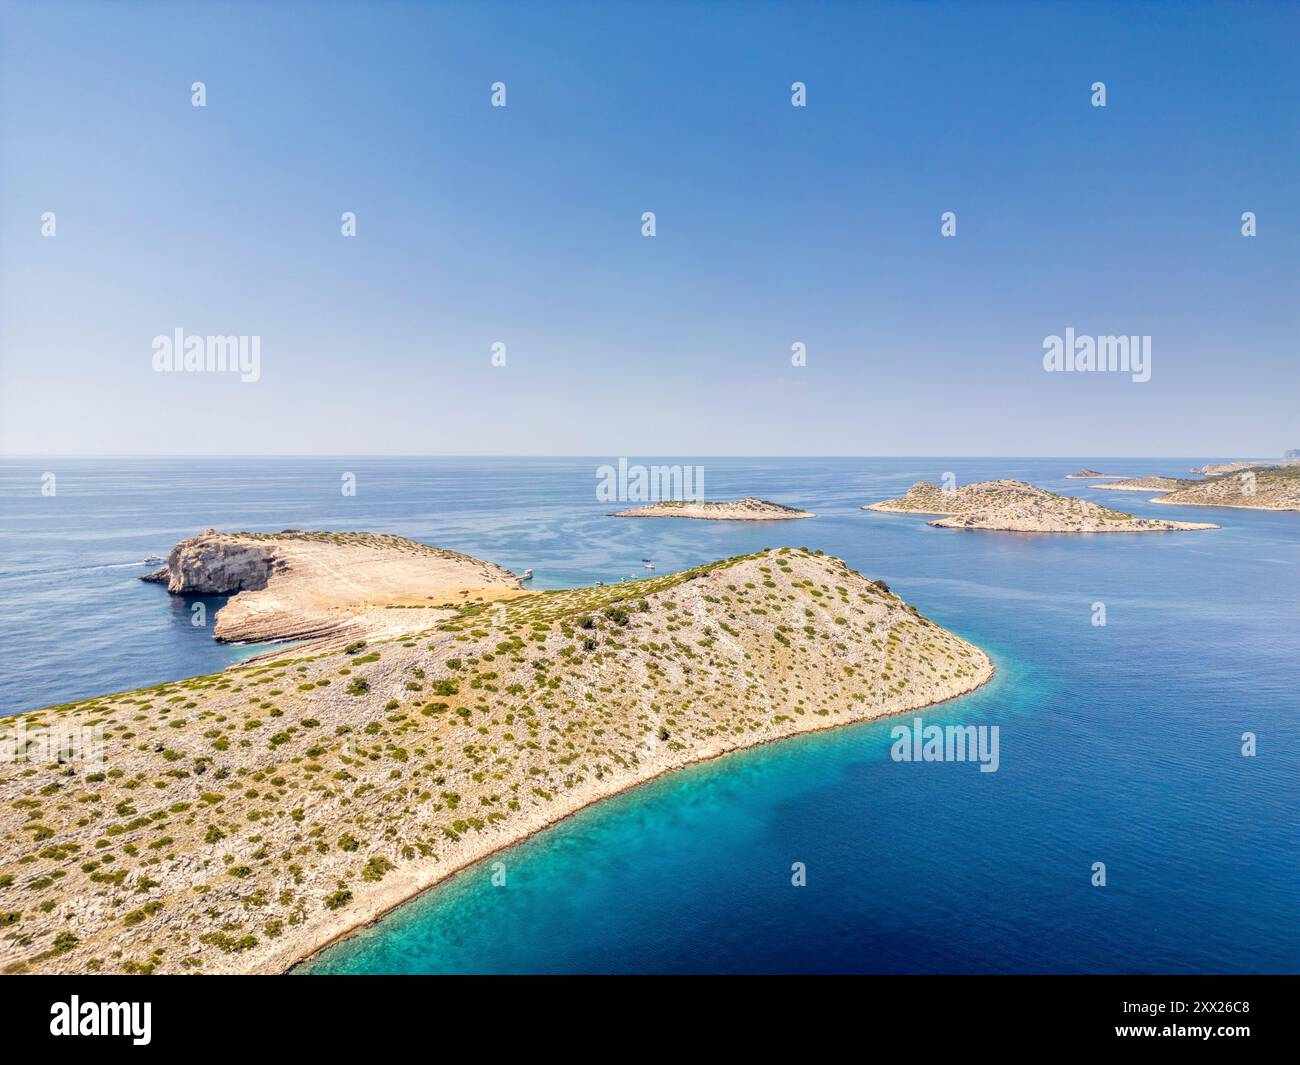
point(1238, 456)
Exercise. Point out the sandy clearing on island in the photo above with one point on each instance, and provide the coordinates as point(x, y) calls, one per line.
point(300, 586)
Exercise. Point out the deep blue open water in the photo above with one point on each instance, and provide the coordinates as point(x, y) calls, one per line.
point(1119, 744)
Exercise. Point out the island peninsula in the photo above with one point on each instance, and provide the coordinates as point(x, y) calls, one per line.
point(240, 821)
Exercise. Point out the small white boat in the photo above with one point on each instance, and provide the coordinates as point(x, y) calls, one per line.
point(647, 563)
point(528, 575)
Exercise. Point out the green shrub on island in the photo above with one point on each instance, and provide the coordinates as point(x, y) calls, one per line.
point(136, 917)
point(228, 943)
point(64, 942)
point(376, 867)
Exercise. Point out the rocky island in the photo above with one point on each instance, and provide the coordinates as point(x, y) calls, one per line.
point(315, 585)
point(1087, 474)
point(237, 822)
point(1015, 506)
point(747, 509)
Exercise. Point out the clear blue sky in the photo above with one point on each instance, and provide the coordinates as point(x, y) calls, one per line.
point(775, 225)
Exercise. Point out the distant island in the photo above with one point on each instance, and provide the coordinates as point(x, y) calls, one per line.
point(1248, 488)
point(1290, 457)
point(1258, 488)
point(1015, 506)
point(241, 821)
point(747, 509)
point(1087, 474)
point(1143, 484)
point(1213, 468)
point(310, 585)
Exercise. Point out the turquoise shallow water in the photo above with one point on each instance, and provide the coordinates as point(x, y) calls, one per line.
point(1118, 744)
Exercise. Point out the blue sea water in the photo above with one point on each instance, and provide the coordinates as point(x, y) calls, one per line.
point(1118, 744)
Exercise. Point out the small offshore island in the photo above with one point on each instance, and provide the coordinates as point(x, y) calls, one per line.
point(240, 821)
point(1015, 506)
point(747, 509)
point(1086, 474)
